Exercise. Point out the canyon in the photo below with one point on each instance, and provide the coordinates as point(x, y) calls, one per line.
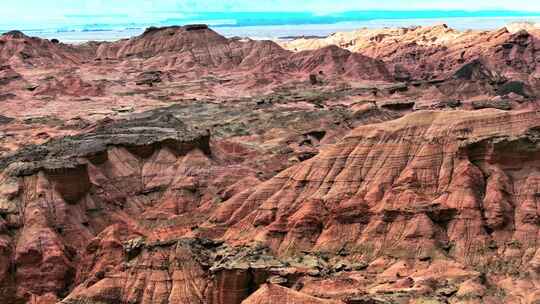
point(180, 166)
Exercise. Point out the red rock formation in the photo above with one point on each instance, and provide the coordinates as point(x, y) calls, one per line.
point(382, 174)
point(270, 293)
point(181, 48)
point(436, 52)
point(71, 85)
point(336, 191)
point(87, 205)
point(511, 54)
point(332, 60)
point(18, 49)
point(454, 185)
point(203, 49)
point(7, 75)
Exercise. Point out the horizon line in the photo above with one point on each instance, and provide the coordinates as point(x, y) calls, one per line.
point(500, 10)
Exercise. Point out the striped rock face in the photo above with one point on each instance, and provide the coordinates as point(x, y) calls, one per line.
point(434, 177)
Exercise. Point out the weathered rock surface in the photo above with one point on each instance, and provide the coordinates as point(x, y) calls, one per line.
point(181, 166)
point(484, 58)
point(456, 213)
point(7, 75)
point(270, 293)
point(58, 195)
point(434, 185)
point(188, 49)
point(419, 46)
point(17, 49)
point(150, 175)
point(70, 85)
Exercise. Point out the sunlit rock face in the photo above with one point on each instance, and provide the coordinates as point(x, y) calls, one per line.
point(416, 186)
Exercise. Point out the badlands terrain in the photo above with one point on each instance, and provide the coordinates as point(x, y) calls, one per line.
point(180, 166)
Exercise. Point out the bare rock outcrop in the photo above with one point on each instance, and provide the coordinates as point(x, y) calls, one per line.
point(270, 293)
point(470, 148)
point(7, 75)
point(181, 166)
point(438, 52)
point(18, 49)
point(430, 186)
point(203, 49)
point(70, 85)
point(50, 196)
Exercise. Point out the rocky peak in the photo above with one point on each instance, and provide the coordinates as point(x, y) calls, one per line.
point(15, 34)
point(18, 49)
point(170, 30)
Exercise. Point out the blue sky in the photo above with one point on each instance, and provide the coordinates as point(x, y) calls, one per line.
point(27, 10)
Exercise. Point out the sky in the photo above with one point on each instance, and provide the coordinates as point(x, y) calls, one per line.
point(34, 14)
point(123, 18)
point(47, 9)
